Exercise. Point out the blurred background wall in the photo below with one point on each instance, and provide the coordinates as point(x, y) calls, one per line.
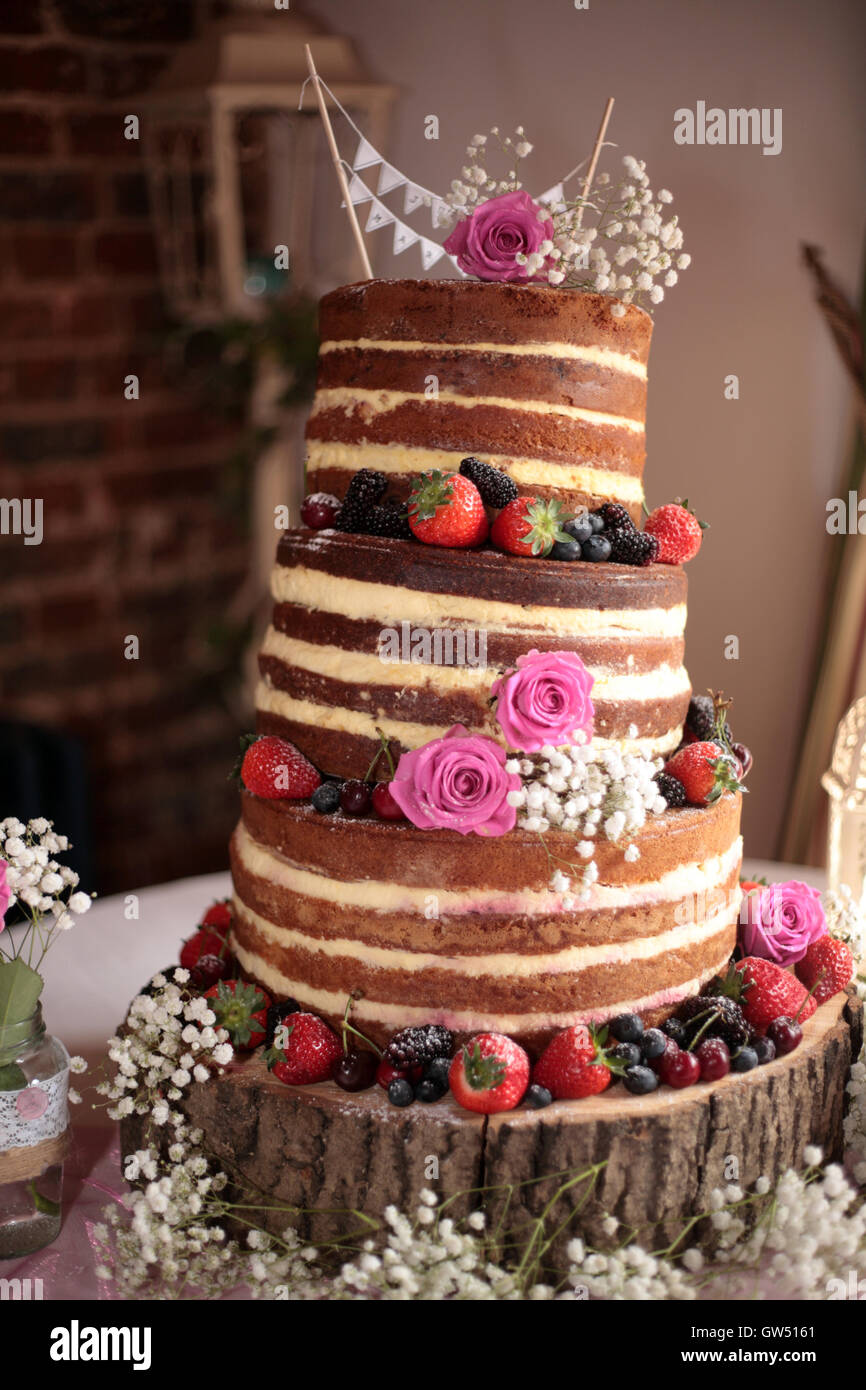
point(140, 540)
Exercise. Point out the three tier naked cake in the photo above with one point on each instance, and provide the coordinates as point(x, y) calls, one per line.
point(439, 926)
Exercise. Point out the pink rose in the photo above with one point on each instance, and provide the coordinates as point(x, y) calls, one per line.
point(486, 242)
point(457, 783)
point(546, 699)
point(5, 893)
point(781, 922)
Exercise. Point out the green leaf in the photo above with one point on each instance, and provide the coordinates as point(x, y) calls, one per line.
point(12, 1078)
point(41, 1203)
point(20, 988)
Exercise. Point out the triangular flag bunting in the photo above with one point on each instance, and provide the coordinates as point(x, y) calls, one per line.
point(389, 178)
point(412, 199)
point(380, 216)
point(552, 196)
point(404, 237)
point(358, 190)
point(440, 212)
point(365, 155)
point(431, 252)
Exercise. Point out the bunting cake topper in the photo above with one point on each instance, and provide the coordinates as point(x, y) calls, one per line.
point(630, 249)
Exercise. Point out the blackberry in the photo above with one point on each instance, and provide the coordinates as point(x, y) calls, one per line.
point(364, 490)
point(411, 1047)
point(671, 788)
point(326, 798)
point(632, 547)
point(388, 520)
point(496, 488)
point(676, 1029)
point(277, 1014)
point(730, 1026)
point(701, 718)
point(615, 517)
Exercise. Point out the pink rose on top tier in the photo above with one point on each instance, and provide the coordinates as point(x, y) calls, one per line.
point(545, 699)
point(486, 242)
point(457, 783)
point(782, 922)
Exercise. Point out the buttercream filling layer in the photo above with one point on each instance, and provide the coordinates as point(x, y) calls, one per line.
point(381, 402)
point(569, 352)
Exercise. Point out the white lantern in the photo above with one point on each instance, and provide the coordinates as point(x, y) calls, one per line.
point(845, 781)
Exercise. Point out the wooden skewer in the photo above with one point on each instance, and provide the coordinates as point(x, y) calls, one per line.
point(590, 173)
point(341, 173)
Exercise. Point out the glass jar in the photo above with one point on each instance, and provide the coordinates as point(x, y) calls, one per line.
point(34, 1123)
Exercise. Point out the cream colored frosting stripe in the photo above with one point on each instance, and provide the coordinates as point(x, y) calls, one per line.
point(374, 402)
point(370, 894)
point(391, 604)
point(506, 964)
point(364, 668)
point(461, 1020)
point(404, 459)
point(363, 725)
point(571, 352)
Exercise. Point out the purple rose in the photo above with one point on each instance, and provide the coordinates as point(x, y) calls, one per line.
point(5, 893)
point(486, 242)
point(457, 783)
point(545, 699)
point(781, 922)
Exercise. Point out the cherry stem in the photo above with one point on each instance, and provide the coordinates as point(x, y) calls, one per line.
point(821, 973)
point(712, 1013)
point(386, 749)
point(348, 1027)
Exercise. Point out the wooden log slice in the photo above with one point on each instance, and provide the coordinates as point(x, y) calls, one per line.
point(333, 1154)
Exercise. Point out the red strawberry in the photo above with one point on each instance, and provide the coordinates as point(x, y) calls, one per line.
point(310, 1052)
point(678, 532)
point(218, 916)
point(489, 1074)
point(204, 942)
point(769, 992)
point(705, 770)
point(274, 768)
point(446, 509)
point(241, 1009)
point(574, 1064)
point(831, 957)
point(529, 526)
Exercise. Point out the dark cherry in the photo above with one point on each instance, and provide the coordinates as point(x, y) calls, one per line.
point(355, 1071)
point(355, 797)
point(209, 970)
point(785, 1034)
point(714, 1059)
point(743, 757)
point(384, 804)
point(680, 1070)
point(660, 1061)
point(319, 510)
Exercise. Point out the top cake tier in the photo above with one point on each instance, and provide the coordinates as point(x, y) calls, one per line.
point(418, 374)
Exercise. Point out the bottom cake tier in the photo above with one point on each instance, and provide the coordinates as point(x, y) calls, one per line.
point(427, 927)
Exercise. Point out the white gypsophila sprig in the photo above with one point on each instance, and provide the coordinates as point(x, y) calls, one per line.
point(45, 891)
point(589, 792)
point(619, 239)
point(165, 1027)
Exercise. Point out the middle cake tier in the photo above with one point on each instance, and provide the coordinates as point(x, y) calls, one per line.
point(369, 633)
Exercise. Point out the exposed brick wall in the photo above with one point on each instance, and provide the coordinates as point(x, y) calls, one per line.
point(135, 541)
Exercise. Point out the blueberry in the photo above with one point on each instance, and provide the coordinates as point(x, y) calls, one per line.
point(627, 1028)
point(628, 1052)
point(538, 1097)
point(565, 550)
point(326, 798)
point(652, 1044)
point(744, 1060)
point(596, 522)
point(640, 1080)
point(400, 1092)
point(437, 1070)
point(596, 549)
point(676, 1029)
point(429, 1088)
point(581, 527)
point(764, 1049)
